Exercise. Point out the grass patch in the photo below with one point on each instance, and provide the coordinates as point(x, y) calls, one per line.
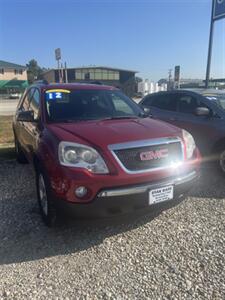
point(7, 150)
point(6, 132)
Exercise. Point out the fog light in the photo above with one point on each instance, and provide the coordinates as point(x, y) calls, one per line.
point(81, 191)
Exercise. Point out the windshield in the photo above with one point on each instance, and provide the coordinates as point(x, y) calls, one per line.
point(77, 105)
point(219, 99)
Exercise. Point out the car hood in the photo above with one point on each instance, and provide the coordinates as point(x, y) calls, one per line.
point(105, 132)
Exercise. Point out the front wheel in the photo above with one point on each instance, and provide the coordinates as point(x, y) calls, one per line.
point(45, 201)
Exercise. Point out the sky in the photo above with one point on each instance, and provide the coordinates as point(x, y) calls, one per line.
point(150, 36)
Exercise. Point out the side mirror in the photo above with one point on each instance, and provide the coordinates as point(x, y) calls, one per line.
point(202, 111)
point(146, 110)
point(25, 116)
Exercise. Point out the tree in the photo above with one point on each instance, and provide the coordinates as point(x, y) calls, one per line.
point(34, 71)
point(162, 81)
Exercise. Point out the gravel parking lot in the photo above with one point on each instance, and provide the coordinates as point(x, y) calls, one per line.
point(179, 254)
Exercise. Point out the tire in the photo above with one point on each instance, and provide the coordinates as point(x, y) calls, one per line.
point(20, 157)
point(45, 199)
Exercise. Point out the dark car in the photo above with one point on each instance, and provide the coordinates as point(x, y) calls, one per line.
point(201, 112)
point(94, 151)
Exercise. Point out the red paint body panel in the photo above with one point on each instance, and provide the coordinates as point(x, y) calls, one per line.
point(99, 135)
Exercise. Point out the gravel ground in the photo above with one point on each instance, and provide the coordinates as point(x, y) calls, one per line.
point(179, 254)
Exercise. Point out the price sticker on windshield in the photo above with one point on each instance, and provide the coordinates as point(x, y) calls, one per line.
point(57, 94)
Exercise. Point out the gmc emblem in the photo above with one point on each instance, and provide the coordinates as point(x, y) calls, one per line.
point(157, 154)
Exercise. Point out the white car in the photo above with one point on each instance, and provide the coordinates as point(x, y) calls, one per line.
point(14, 96)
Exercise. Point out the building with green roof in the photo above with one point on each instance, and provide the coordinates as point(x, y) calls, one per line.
point(13, 77)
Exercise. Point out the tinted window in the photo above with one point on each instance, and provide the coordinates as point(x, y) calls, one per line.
point(120, 105)
point(34, 103)
point(69, 105)
point(187, 104)
point(219, 99)
point(165, 102)
point(148, 100)
point(26, 101)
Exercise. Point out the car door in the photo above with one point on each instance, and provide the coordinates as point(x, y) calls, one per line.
point(201, 127)
point(16, 124)
point(32, 130)
point(162, 106)
point(21, 126)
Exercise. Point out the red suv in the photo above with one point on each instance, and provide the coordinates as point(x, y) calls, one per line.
point(95, 152)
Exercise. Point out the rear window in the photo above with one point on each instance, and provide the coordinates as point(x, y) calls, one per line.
point(67, 105)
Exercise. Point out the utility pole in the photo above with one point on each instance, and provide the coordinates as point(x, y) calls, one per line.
point(66, 75)
point(210, 48)
point(218, 13)
point(177, 77)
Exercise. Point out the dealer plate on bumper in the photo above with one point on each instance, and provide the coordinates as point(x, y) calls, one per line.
point(161, 194)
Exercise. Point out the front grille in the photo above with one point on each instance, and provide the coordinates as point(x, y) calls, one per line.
point(130, 158)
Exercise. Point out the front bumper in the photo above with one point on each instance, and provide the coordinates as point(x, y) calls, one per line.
point(129, 199)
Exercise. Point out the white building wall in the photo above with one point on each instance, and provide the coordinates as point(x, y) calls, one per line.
point(148, 87)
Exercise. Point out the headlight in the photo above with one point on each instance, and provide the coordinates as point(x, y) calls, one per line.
point(189, 142)
point(81, 156)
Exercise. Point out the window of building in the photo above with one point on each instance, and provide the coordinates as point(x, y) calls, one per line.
point(111, 75)
point(78, 75)
point(87, 76)
point(18, 71)
point(98, 74)
point(2, 71)
point(116, 76)
point(104, 75)
point(92, 74)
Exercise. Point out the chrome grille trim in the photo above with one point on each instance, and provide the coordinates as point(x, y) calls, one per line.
point(144, 143)
point(182, 179)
